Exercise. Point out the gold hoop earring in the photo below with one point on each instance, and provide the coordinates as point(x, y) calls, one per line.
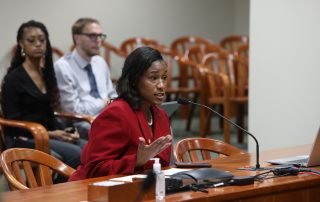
point(22, 52)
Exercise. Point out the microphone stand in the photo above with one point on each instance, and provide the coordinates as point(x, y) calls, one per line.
point(185, 101)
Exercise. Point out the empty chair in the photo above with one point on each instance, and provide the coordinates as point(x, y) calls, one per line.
point(243, 63)
point(195, 54)
point(29, 168)
point(232, 43)
point(174, 90)
point(243, 51)
point(216, 93)
point(198, 149)
point(237, 73)
point(130, 44)
point(179, 47)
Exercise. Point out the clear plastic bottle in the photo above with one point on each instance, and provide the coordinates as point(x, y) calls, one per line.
point(160, 181)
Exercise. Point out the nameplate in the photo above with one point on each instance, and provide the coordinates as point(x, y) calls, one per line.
point(109, 191)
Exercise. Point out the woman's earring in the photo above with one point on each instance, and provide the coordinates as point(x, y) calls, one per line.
point(22, 52)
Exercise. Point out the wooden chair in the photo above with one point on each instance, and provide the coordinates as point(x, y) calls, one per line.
point(216, 93)
point(232, 43)
point(242, 60)
point(195, 55)
point(243, 51)
point(38, 132)
point(190, 149)
point(179, 47)
point(237, 73)
point(29, 168)
point(128, 45)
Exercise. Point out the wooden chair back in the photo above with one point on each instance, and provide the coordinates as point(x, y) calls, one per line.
point(130, 44)
point(180, 45)
point(242, 64)
point(216, 93)
point(29, 168)
point(39, 133)
point(232, 43)
point(237, 72)
point(196, 53)
point(222, 62)
point(174, 89)
point(199, 149)
point(243, 51)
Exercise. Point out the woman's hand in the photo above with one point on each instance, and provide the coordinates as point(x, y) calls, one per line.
point(65, 135)
point(145, 152)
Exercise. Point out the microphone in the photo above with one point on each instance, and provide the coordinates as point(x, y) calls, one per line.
point(185, 101)
point(146, 185)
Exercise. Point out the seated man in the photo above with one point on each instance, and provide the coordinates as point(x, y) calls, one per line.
point(83, 76)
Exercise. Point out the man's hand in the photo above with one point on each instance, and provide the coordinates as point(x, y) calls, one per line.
point(107, 101)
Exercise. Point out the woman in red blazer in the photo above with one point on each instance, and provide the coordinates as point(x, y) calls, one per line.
point(132, 129)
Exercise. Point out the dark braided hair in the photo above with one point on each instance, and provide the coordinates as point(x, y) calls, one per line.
point(48, 71)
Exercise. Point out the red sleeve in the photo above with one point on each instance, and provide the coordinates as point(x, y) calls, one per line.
point(111, 148)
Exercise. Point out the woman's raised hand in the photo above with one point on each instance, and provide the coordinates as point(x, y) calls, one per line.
point(145, 152)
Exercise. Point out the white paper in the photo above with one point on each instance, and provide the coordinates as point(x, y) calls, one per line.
point(172, 171)
point(107, 183)
point(128, 178)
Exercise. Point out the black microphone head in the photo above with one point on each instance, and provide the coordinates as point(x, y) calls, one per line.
point(183, 101)
point(148, 181)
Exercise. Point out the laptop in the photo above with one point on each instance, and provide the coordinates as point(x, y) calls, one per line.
point(313, 159)
point(170, 107)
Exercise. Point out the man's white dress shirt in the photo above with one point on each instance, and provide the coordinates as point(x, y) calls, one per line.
point(74, 84)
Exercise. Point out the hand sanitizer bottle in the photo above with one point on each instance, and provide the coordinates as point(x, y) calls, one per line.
point(160, 181)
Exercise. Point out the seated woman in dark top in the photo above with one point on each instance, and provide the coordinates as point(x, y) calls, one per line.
point(30, 93)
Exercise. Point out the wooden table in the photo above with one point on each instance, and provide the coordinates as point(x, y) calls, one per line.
point(304, 187)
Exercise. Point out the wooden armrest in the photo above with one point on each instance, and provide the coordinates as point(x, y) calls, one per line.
point(39, 133)
point(73, 116)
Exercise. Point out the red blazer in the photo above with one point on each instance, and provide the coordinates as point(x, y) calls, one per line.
point(114, 138)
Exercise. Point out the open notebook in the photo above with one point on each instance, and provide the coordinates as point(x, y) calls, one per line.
point(313, 159)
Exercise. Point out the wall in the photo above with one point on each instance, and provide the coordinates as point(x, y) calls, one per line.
point(284, 72)
point(163, 20)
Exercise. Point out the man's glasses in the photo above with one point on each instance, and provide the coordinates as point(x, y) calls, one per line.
point(94, 36)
